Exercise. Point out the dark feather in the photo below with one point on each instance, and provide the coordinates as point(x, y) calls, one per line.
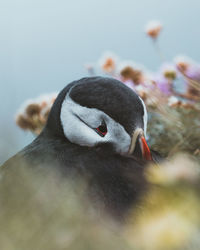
point(114, 181)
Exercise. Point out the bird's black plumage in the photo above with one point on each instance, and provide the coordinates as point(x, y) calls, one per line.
point(115, 180)
point(114, 98)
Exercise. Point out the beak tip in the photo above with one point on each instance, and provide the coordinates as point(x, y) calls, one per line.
point(146, 153)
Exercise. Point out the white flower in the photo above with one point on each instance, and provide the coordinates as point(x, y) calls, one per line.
point(173, 100)
point(153, 29)
point(169, 71)
point(183, 59)
point(128, 70)
point(108, 62)
point(129, 63)
point(183, 63)
point(33, 114)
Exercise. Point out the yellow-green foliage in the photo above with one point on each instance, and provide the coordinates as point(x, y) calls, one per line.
point(173, 130)
point(40, 210)
point(169, 215)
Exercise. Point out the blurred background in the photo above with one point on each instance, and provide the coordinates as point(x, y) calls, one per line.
point(44, 45)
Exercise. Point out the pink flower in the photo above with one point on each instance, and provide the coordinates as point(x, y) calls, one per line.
point(193, 72)
point(163, 84)
point(129, 84)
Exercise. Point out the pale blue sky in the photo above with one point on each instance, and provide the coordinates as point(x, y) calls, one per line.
point(45, 43)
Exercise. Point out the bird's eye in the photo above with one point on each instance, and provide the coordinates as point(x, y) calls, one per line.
point(102, 129)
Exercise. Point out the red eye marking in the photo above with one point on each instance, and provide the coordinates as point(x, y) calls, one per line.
point(102, 129)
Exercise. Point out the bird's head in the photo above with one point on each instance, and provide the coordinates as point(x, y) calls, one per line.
point(97, 112)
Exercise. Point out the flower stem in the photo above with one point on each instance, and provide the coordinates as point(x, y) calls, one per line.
point(158, 50)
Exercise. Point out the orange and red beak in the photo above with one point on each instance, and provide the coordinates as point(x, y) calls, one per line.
point(138, 137)
point(146, 153)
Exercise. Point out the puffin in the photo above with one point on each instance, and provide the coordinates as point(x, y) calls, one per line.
point(96, 130)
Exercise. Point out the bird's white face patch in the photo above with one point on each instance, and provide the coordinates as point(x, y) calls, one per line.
point(145, 117)
point(79, 124)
